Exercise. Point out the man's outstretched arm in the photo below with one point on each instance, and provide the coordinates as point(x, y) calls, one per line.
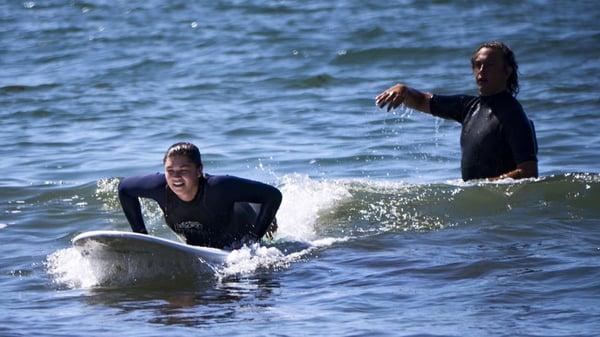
point(402, 94)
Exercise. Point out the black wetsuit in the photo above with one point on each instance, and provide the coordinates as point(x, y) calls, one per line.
point(220, 215)
point(496, 133)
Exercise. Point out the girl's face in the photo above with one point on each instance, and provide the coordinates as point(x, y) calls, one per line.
point(182, 177)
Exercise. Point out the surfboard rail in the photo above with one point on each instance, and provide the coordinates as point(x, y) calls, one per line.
point(136, 242)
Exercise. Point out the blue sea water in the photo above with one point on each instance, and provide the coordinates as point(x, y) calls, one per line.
point(378, 235)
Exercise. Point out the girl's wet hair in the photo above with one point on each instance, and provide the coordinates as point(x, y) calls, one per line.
point(512, 83)
point(184, 149)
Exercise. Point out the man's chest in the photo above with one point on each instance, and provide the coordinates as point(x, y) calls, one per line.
point(481, 127)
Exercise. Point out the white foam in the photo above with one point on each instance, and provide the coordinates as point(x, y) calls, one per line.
point(107, 185)
point(328, 241)
point(107, 193)
point(3, 225)
point(303, 200)
point(248, 259)
point(92, 265)
point(487, 182)
point(68, 267)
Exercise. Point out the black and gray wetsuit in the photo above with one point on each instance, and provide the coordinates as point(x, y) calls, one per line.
point(496, 133)
point(220, 215)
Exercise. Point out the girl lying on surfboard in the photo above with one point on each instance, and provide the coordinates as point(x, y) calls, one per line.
point(206, 210)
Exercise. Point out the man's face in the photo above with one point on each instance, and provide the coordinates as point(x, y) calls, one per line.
point(182, 176)
point(490, 72)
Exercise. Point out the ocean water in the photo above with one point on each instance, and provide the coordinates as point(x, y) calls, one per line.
point(378, 235)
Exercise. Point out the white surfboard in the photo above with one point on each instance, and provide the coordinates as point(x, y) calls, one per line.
point(136, 244)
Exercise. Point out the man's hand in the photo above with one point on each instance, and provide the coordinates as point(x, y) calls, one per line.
point(528, 169)
point(392, 97)
point(401, 94)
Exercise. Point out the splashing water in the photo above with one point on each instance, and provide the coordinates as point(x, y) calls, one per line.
point(304, 200)
point(69, 268)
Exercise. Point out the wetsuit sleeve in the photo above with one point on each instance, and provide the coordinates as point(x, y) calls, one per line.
point(521, 137)
point(453, 107)
point(244, 190)
point(131, 189)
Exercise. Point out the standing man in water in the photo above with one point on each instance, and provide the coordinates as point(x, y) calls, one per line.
point(206, 210)
point(498, 140)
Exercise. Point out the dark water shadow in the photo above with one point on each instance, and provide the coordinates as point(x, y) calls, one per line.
point(196, 301)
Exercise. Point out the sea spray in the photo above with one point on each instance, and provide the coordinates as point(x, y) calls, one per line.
point(71, 269)
point(303, 201)
point(92, 265)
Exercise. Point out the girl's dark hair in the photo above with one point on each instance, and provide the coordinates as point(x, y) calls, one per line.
point(509, 61)
point(185, 149)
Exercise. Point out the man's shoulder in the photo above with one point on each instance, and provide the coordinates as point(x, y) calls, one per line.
point(454, 107)
point(509, 101)
point(460, 97)
point(457, 100)
point(512, 110)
